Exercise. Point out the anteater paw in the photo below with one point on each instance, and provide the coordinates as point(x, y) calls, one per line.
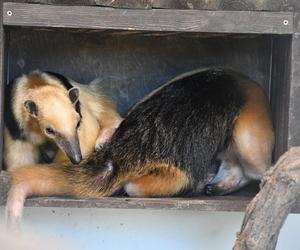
point(211, 189)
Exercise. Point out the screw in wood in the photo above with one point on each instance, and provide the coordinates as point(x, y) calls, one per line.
point(285, 22)
point(9, 13)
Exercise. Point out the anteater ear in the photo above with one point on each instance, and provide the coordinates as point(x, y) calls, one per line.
point(74, 94)
point(31, 108)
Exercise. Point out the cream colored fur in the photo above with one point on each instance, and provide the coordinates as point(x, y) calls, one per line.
point(99, 118)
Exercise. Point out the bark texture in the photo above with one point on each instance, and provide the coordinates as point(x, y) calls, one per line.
point(268, 210)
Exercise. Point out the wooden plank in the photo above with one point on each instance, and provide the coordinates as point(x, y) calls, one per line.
point(57, 2)
point(229, 203)
point(239, 5)
point(280, 91)
point(294, 100)
point(133, 4)
point(222, 203)
point(4, 180)
point(2, 83)
point(18, 14)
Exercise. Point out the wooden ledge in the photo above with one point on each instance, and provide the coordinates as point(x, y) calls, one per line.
point(203, 203)
point(246, 5)
point(231, 203)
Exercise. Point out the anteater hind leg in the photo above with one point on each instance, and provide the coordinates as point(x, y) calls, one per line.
point(229, 177)
point(253, 137)
point(163, 180)
point(250, 152)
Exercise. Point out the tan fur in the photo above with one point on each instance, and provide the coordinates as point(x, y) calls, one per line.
point(254, 141)
point(88, 133)
point(31, 181)
point(170, 180)
point(18, 153)
point(40, 180)
point(100, 106)
point(249, 155)
point(56, 109)
point(155, 180)
point(102, 109)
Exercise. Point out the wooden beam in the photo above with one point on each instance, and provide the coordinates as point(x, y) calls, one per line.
point(280, 93)
point(239, 5)
point(199, 204)
point(2, 83)
point(133, 4)
point(18, 14)
point(294, 91)
point(57, 2)
point(4, 180)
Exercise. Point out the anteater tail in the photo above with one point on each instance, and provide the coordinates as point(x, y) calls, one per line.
point(84, 181)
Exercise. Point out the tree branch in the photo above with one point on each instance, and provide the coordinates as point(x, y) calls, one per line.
point(268, 210)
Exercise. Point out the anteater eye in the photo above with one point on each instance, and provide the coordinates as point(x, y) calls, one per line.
point(78, 124)
point(49, 131)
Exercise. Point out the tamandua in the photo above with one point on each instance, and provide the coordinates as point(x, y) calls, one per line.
point(46, 106)
point(168, 144)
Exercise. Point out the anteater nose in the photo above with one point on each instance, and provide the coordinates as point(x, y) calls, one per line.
point(76, 159)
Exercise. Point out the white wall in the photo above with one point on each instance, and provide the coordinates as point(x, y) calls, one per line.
point(116, 229)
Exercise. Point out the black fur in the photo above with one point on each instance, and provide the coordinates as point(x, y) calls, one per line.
point(186, 123)
point(66, 83)
point(62, 79)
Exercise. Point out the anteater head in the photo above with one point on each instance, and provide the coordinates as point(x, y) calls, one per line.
point(56, 112)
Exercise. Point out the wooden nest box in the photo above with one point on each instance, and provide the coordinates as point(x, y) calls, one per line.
point(134, 46)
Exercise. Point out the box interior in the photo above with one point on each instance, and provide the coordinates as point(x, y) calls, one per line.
point(132, 64)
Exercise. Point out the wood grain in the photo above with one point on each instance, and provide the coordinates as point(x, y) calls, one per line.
point(268, 210)
point(267, 5)
point(148, 20)
point(2, 82)
point(239, 5)
point(4, 180)
point(56, 2)
point(133, 4)
point(280, 92)
point(199, 204)
point(294, 91)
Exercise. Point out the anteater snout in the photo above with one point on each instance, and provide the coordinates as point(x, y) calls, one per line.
point(76, 159)
point(71, 147)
